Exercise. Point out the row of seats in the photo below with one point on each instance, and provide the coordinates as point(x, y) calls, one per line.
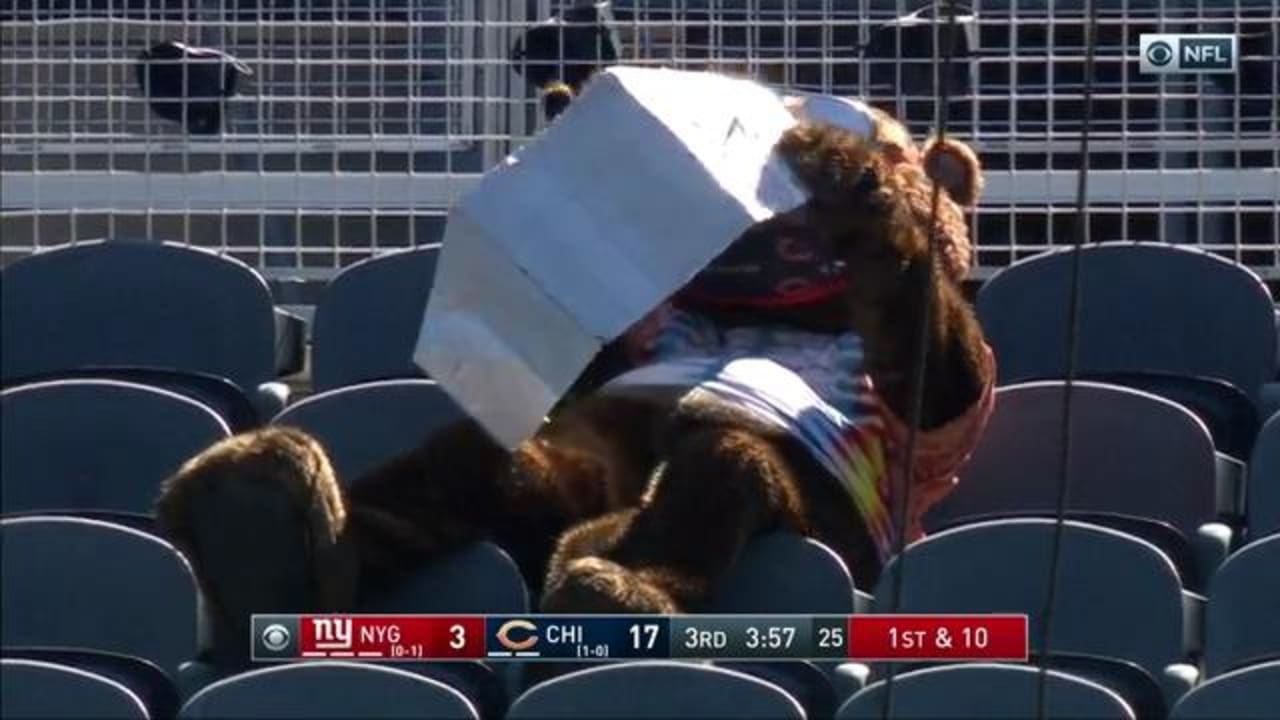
point(191, 311)
point(671, 690)
point(1122, 616)
point(106, 445)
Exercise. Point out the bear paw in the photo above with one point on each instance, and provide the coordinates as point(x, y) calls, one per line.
point(598, 586)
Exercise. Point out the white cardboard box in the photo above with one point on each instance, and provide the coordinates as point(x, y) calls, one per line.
point(647, 177)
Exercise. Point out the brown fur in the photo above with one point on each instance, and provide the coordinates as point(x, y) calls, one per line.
point(622, 505)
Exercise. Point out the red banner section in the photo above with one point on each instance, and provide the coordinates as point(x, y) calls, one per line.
point(391, 637)
point(938, 637)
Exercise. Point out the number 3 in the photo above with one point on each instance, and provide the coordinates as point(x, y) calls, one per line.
point(459, 640)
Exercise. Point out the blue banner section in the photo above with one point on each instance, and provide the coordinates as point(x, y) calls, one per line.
point(597, 637)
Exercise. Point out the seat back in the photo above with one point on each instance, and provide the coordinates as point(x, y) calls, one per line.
point(655, 690)
point(1250, 693)
point(367, 321)
point(1136, 313)
point(1132, 453)
point(986, 690)
point(329, 690)
point(1263, 494)
point(136, 304)
point(1116, 596)
point(479, 579)
point(72, 582)
point(35, 689)
point(783, 573)
point(1242, 619)
point(363, 426)
point(144, 679)
point(96, 444)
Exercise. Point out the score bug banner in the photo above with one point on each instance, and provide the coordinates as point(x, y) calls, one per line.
point(865, 638)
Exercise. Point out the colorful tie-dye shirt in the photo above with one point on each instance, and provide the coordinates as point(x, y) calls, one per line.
point(814, 386)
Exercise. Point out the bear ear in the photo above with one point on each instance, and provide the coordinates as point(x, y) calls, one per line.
point(955, 166)
point(556, 97)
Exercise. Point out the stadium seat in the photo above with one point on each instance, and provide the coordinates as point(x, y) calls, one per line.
point(1250, 693)
point(655, 690)
point(142, 522)
point(96, 444)
point(1132, 454)
point(1263, 494)
point(76, 583)
point(34, 689)
point(1230, 416)
point(1164, 536)
point(140, 304)
point(144, 679)
point(986, 690)
point(1116, 596)
point(362, 426)
point(367, 321)
point(783, 573)
point(1242, 618)
point(329, 690)
point(1136, 314)
point(479, 579)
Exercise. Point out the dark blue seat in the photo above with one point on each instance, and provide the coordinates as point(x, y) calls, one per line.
point(139, 305)
point(1145, 307)
point(655, 690)
point(151, 685)
point(363, 426)
point(329, 690)
point(367, 321)
point(96, 444)
point(35, 689)
point(1242, 618)
point(1132, 453)
point(1117, 596)
point(986, 690)
point(76, 583)
point(782, 573)
point(478, 579)
point(1263, 495)
point(1250, 693)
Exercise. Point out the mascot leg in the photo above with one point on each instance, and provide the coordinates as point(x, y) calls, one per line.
point(261, 519)
point(720, 485)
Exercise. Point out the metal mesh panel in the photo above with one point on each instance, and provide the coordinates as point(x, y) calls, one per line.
point(362, 120)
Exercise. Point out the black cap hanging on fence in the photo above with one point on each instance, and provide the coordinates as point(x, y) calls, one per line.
point(559, 55)
point(189, 85)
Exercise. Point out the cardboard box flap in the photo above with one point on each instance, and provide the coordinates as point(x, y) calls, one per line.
point(647, 177)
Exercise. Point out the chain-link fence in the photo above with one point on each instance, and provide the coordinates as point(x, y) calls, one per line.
point(353, 124)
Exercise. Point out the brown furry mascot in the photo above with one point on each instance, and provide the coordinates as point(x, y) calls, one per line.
point(630, 500)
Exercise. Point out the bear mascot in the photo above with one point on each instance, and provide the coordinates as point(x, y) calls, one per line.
point(771, 393)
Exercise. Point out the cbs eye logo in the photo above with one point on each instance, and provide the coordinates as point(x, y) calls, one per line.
point(1160, 53)
point(275, 638)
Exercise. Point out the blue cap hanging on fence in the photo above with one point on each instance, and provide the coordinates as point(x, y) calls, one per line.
point(559, 55)
point(188, 85)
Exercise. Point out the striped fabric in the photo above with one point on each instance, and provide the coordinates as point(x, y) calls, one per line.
point(813, 386)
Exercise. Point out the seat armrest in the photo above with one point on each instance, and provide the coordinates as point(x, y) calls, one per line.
point(291, 343)
point(1212, 543)
point(269, 399)
point(1229, 485)
point(848, 678)
point(1177, 680)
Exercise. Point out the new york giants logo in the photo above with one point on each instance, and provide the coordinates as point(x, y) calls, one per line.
point(332, 633)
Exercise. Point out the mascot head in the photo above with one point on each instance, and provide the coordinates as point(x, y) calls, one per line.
point(776, 266)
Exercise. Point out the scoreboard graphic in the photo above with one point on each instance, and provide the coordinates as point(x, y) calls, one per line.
point(391, 638)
